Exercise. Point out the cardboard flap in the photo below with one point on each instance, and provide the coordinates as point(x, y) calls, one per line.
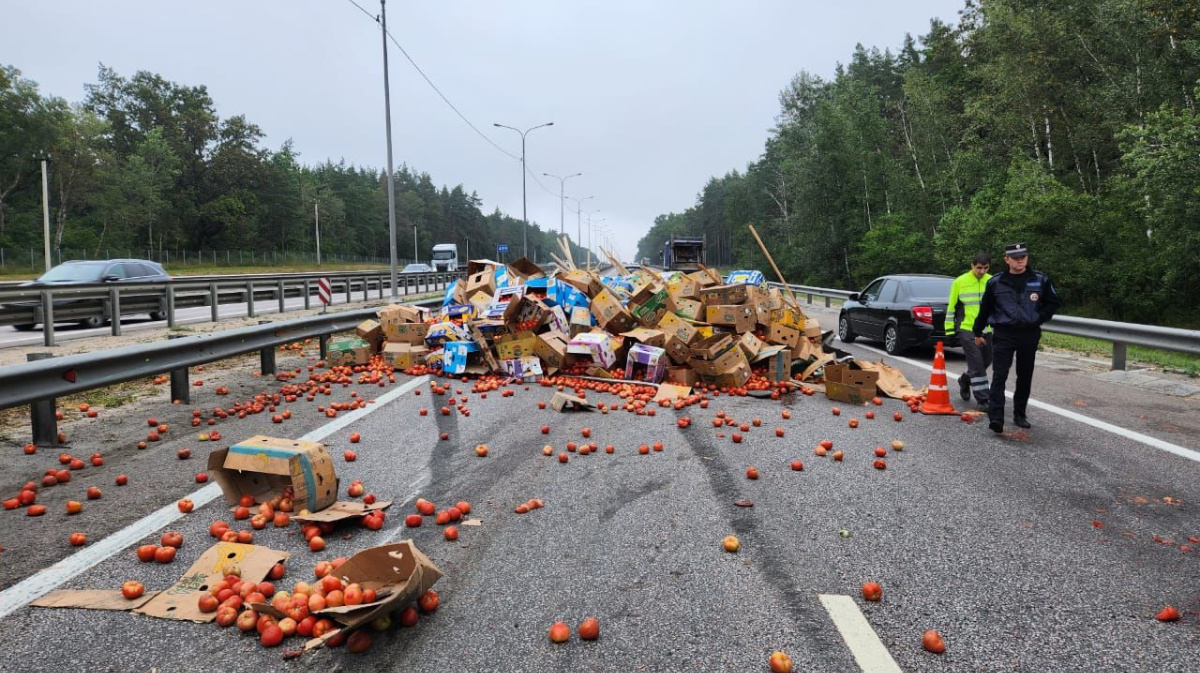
point(669, 391)
point(343, 510)
point(179, 602)
point(891, 382)
point(563, 401)
point(92, 599)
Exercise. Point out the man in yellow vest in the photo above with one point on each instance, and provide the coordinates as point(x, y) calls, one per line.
point(961, 311)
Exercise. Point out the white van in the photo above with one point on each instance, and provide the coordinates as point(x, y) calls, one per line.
point(445, 257)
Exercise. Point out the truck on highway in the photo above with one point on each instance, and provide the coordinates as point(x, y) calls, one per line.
point(445, 257)
point(683, 253)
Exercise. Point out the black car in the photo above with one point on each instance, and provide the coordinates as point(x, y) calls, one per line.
point(903, 311)
point(95, 271)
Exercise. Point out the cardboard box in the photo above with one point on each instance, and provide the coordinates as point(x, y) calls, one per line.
point(500, 301)
point(551, 347)
point(740, 317)
point(564, 402)
point(779, 362)
point(484, 281)
point(179, 601)
point(682, 287)
point(649, 337)
point(398, 572)
point(404, 355)
point(457, 312)
point(782, 334)
point(529, 367)
point(725, 362)
point(645, 363)
point(672, 325)
point(408, 333)
point(438, 334)
point(524, 313)
point(581, 321)
point(678, 351)
point(522, 270)
point(348, 351)
point(596, 345)
point(732, 378)
point(559, 321)
point(371, 332)
point(610, 314)
point(788, 316)
point(705, 278)
point(717, 295)
point(515, 346)
point(812, 328)
point(751, 345)
point(710, 348)
point(462, 357)
point(759, 300)
point(746, 277)
point(689, 308)
point(263, 467)
point(849, 385)
point(402, 313)
point(480, 301)
point(581, 280)
point(648, 308)
point(682, 376)
point(481, 341)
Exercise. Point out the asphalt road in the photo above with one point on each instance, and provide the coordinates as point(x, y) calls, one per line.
point(1032, 551)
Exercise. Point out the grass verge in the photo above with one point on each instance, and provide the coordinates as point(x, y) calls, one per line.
point(1169, 360)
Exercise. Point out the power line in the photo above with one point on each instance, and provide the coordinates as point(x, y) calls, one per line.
point(372, 17)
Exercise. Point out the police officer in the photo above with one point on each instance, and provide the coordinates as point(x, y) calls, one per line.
point(1015, 303)
point(965, 294)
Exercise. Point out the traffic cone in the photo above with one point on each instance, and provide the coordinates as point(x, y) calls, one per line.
point(938, 399)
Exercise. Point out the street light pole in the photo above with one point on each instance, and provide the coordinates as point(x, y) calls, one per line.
point(416, 256)
point(524, 209)
point(317, 217)
point(579, 218)
point(387, 111)
point(562, 197)
point(46, 212)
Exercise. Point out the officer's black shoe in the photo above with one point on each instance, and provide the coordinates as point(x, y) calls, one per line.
point(1021, 422)
point(964, 388)
point(996, 427)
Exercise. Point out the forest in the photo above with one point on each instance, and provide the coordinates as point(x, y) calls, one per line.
point(146, 165)
point(1070, 126)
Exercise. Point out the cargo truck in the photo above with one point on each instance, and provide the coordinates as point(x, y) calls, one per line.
point(445, 257)
point(683, 253)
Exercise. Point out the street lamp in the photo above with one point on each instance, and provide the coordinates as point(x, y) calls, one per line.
point(561, 196)
point(589, 259)
point(579, 218)
point(46, 209)
point(524, 209)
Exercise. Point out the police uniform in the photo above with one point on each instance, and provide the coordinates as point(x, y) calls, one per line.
point(1015, 305)
point(963, 306)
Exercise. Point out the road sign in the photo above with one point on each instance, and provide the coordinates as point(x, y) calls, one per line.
point(323, 290)
point(501, 248)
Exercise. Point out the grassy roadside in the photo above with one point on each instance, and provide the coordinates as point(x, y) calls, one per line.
point(1167, 360)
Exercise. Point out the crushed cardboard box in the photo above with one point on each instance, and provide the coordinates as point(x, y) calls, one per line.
point(263, 467)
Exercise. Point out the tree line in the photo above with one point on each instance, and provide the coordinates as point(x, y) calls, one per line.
point(147, 164)
point(1070, 126)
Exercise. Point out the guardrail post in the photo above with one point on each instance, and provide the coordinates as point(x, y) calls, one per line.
point(1118, 358)
point(213, 302)
point(307, 295)
point(266, 356)
point(42, 418)
point(810, 297)
point(366, 281)
point(349, 286)
point(381, 288)
point(171, 306)
point(114, 309)
point(826, 302)
point(323, 344)
point(180, 390)
point(250, 299)
point(48, 321)
point(279, 290)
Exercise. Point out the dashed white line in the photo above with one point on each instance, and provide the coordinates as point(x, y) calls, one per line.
point(1154, 442)
point(44, 581)
point(864, 644)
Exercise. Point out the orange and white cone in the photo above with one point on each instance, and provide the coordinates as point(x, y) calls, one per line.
point(938, 399)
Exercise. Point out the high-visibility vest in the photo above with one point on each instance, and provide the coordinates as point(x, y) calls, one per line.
point(965, 294)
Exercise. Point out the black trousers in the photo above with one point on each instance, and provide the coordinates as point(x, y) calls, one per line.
point(1007, 344)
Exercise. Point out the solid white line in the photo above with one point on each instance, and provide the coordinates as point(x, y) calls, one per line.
point(48, 579)
point(1182, 452)
point(864, 644)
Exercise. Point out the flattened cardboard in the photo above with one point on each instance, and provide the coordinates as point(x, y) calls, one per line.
point(93, 599)
point(564, 402)
point(399, 569)
point(671, 392)
point(341, 510)
point(849, 385)
point(179, 602)
point(263, 466)
point(891, 382)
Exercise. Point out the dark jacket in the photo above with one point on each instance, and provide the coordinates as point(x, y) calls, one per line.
point(1017, 302)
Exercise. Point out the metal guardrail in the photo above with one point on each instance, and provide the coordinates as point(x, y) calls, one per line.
point(1120, 334)
point(40, 381)
point(110, 301)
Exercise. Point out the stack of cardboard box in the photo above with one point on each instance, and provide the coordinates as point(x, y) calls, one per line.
point(686, 329)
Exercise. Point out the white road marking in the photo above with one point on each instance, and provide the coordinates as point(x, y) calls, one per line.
point(1182, 452)
point(864, 644)
point(48, 579)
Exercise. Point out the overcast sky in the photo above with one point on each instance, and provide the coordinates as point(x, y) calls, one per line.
point(649, 98)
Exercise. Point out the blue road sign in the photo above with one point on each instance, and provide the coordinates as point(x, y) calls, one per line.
point(501, 248)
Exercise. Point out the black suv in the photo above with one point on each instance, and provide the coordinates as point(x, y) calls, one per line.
point(902, 311)
point(95, 271)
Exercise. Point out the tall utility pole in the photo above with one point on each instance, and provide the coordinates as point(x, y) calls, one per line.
point(387, 111)
point(524, 209)
point(579, 219)
point(46, 212)
point(562, 196)
point(317, 218)
point(416, 255)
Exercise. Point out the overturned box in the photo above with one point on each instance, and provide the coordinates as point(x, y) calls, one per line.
point(849, 385)
point(404, 355)
point(263, 467)
point(348, 351)
point(645, 363)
